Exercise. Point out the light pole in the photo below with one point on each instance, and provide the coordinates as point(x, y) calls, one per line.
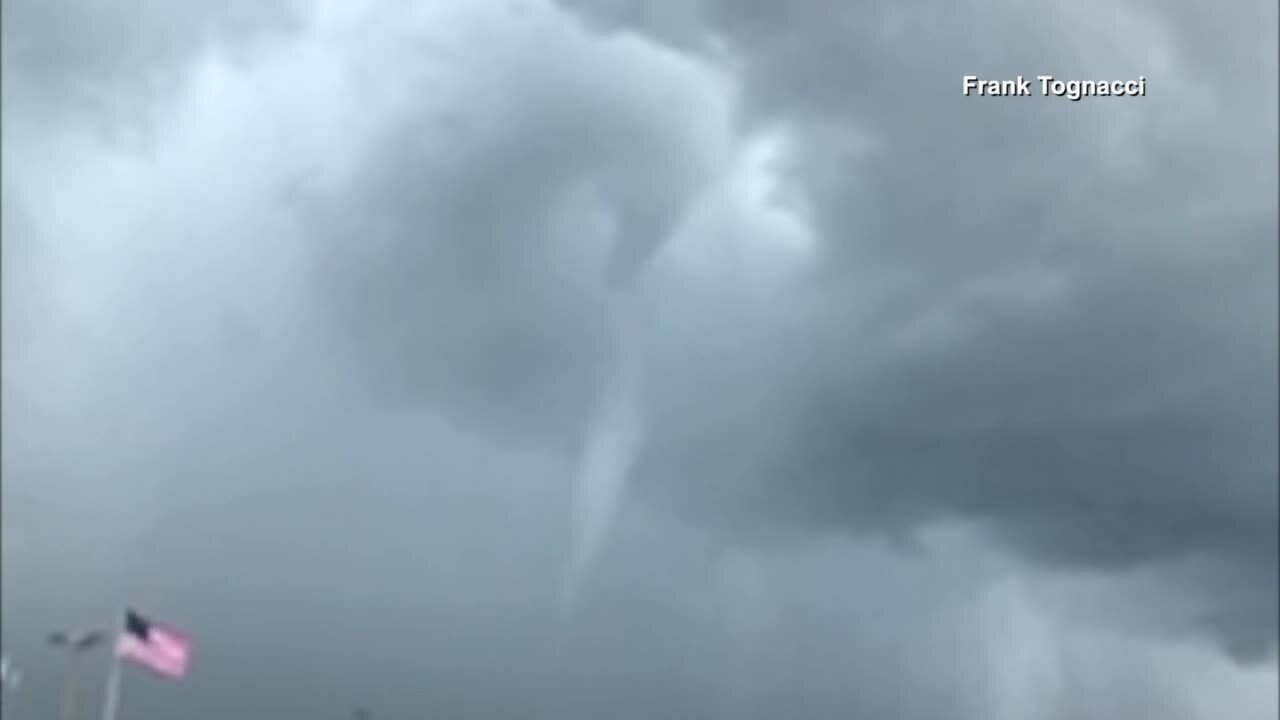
point(9, 678)
point(74, 644)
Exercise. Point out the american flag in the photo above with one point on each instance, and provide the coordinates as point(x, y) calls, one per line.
point(159, 648)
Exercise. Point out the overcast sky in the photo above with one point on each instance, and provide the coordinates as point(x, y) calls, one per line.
point(622, 359)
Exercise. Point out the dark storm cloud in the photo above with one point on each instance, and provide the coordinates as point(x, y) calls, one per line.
point(1100, 386)
point(474, 250)
point(312, 374)
point(1053, 318)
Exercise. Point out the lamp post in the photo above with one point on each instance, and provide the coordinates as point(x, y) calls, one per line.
point(9, 675)
point(9, 678)
point(74, 644)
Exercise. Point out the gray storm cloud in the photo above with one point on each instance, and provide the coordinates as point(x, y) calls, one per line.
point(368, 436)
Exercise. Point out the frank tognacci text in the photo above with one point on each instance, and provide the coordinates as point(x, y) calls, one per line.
point(1051, 86)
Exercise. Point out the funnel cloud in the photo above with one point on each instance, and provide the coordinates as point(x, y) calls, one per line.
point(614, 438)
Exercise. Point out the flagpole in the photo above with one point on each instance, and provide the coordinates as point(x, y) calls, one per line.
point(71, 686)
point(111, 701)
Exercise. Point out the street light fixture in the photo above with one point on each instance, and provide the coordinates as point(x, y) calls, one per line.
point(75, 643)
